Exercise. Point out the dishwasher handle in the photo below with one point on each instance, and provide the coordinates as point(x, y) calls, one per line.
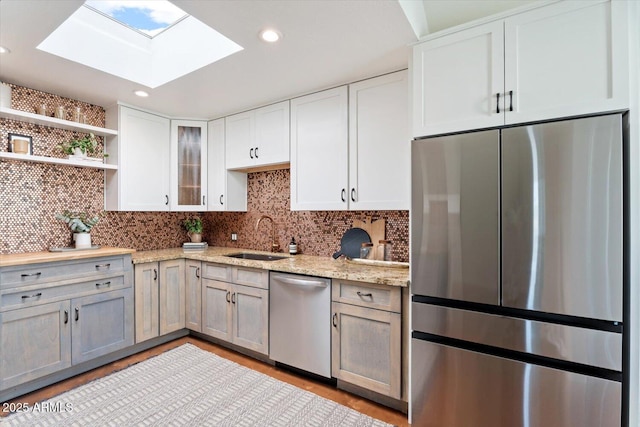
point(300, 282)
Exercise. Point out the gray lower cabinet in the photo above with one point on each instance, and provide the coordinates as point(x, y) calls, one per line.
point(366, 342)
point(236, 313)
point(193, 295)
point(35, 342)
point(59, 314)
point(159, 298)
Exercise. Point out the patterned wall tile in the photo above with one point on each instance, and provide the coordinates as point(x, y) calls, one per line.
point(32, 193)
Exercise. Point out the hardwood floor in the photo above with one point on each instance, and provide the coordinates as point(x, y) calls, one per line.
point(359, 404)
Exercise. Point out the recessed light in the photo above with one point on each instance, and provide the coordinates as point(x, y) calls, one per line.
point(4, 49)
point(141, 93)
point(270, 36)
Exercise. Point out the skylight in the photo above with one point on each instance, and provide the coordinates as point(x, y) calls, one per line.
point(164, 45)
point(150, 17)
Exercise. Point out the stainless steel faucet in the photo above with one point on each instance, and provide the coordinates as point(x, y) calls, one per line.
point(275, 247)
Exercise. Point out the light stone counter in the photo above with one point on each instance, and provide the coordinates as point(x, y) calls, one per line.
point(37, 257)
point(298, 264)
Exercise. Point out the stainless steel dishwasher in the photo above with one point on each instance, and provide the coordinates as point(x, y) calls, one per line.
point(300, 322)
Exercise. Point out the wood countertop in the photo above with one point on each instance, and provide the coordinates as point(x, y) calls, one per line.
point(37, 257)
point(297, 264)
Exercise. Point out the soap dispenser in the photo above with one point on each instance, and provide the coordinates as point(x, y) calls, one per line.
point(293, 246)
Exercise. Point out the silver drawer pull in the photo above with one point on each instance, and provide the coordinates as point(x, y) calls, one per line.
point(368, 295)
point(107, 284)
point(31, 274)
point(38, 295)
point(103, 265)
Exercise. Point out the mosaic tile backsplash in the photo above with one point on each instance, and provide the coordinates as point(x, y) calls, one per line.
point(32, 193)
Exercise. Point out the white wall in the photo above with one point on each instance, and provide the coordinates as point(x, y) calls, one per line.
point(634, 154)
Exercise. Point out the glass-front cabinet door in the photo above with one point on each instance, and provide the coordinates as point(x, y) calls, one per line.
point(188, 165)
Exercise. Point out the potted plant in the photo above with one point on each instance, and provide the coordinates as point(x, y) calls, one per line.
point(194, 229)
point(81, 146)
point(81, 224)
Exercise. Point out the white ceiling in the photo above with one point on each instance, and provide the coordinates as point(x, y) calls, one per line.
point(325, 43)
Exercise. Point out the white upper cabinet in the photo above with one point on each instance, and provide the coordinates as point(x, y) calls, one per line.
point(141, 151)
point(456, 79)
point(350, 147)
point(566, 59)
point(319, 151)
point(188, 165)
point(258, 138)
point(379, 143)
point(563, 59)
point(227, 190)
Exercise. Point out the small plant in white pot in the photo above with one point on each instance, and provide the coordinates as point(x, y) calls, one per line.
point(81, 224)
point(194, 229)
point(80, 147)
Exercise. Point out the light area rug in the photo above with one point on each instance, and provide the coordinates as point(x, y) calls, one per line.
point(188, 386)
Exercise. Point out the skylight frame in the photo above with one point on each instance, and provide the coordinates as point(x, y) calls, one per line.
point(137, 30)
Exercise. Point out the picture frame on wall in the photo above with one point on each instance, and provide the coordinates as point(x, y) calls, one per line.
point(20, 144)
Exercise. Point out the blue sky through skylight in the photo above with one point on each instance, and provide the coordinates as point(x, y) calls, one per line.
point(147, 16)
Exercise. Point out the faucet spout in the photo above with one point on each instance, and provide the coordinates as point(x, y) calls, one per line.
point(275, 247)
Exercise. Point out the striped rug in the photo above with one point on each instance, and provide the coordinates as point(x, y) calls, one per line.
point(188, 386)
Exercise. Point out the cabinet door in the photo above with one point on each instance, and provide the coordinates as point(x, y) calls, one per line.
point(227, 190)
point(251, 318)
point(146, 300)
point(34, 342)
point(188, 165)
point(102, 324)
point(567, 59)
point(379, 143)
point(216, 309)
point(272, 134)
point(193, 294)
point(172, 296)
point(456, 79)
point(366, 348)
point(319, 151)
point(240, 147)
point(141, 151)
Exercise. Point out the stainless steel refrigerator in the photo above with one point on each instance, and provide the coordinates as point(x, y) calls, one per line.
point(517, 276)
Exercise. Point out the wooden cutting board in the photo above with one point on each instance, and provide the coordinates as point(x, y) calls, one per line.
point(376, 230)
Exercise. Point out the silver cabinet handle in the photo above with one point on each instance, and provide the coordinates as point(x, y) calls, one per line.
point(228, 296)
point(197, 272)
point(38, 295)
point(510, 100)
point(497, 103)
point(66, 317)
point(203, 200)
point(167, 201)
point(233, 298)
point(221, 196)
point(107, 284)
point(31, 274)
point(256, 152)
point(367, 295)
point(300, 282)
point(343, 195)
point(334, 320)
point(99, 266)
point(353, 194)
point(251, 152)
point(77, 314)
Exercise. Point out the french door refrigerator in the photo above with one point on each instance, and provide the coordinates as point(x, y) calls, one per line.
point(517, 276)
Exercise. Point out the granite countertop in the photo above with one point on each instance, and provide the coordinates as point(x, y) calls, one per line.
point(37, 257)
point(298, 264)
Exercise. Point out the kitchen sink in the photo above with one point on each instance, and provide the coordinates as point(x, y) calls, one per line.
point(256, 257)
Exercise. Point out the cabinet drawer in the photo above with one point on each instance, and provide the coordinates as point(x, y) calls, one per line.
point(46, 272)
point(27, 296)
point(250, 276)
point(367, 295)
point(216, 271)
